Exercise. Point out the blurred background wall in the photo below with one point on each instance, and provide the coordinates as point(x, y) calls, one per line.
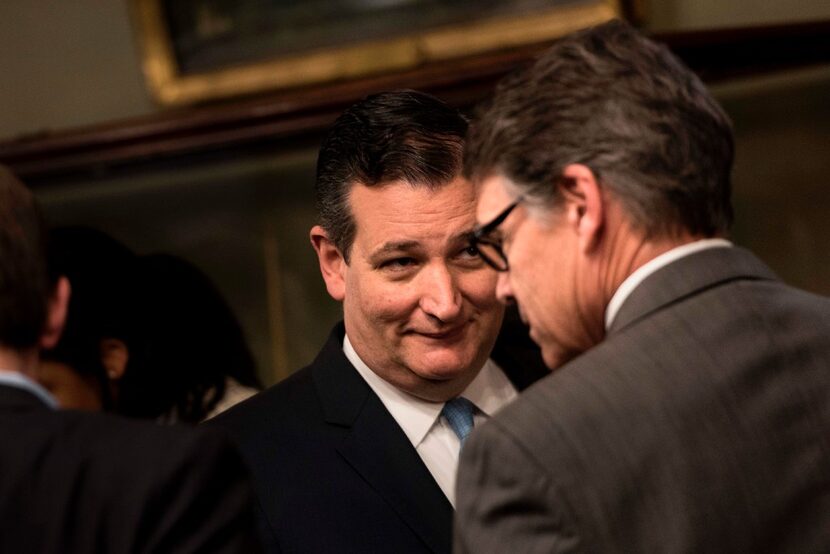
point(244, 218)
point(67, 64)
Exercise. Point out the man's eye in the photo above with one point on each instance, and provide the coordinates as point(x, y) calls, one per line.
point(398, 263)
point(469, 256)
point(470, 252)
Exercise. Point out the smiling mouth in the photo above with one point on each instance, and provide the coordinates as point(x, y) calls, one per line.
point(444, 335)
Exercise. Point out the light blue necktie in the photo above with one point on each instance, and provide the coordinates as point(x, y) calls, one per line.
point(459, 414)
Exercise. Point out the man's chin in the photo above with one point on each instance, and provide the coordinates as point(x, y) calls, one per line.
point(440, 390)
point(441, 373)
point(442, 364)
point(554, 356)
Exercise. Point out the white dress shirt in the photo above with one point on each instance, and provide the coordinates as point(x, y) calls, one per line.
point(20, 381)
point(421, 421)
point(638, 276)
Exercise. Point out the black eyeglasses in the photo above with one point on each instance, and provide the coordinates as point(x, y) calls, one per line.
point(490, 249)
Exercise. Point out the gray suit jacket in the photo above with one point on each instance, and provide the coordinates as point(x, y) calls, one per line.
point(701, 424)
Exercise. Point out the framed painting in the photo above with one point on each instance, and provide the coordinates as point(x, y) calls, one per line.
point(197, 50)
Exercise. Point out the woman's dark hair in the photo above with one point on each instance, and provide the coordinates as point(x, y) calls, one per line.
point(190, 342)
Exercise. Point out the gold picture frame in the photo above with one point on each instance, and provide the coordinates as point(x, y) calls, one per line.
point(171, 86)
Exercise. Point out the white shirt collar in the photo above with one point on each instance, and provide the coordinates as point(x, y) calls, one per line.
point(639, 275)
point(489, 391)
point(20, 381)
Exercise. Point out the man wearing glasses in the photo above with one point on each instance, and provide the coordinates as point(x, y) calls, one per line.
point(358, 451)
point(689, 410)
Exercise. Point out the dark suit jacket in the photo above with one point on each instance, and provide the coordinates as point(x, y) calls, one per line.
point(701, 424)
point(333, 470)
point(73, 482)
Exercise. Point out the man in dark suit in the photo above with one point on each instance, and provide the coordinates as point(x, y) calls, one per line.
point(76, 482)
point(357, 452)
point(690, 411)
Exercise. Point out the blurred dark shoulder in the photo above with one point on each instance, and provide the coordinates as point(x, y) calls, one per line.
point(516, 353)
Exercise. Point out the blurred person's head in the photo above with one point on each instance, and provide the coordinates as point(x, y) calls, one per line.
point(32, 307)
point(611, 152)
point(84, 368)
point(393, 243)
point(190, 344)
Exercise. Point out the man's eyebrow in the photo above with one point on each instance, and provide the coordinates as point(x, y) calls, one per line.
point(395, 246)
point(408, 245)
point(462, 237)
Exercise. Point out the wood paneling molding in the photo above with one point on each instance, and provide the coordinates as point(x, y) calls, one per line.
point(300, 116)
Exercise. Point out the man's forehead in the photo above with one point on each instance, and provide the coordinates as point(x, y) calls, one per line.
point(401, 213)
point(492, 198)
point(406, 197)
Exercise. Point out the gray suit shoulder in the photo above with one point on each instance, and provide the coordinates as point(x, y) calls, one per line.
point(690, 414)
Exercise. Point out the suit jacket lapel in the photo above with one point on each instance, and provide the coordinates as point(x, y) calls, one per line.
point(378, 450)
point(688, 276)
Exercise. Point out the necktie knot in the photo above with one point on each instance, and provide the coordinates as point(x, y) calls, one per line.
point(459, 414)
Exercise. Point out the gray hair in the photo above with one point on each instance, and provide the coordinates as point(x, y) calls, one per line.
point(628, 109)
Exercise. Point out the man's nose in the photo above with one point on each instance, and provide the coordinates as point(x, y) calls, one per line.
point(441, 297)
point(504, 290)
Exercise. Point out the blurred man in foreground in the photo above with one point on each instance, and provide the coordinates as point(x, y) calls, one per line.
point(357, 452)
point(692, 412)
point(77, 482)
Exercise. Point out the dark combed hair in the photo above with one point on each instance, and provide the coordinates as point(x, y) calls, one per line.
point(628, 109)
point(404, 136)
point(24, 277)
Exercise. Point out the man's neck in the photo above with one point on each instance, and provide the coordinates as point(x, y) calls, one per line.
point(653, 265)
point(629, 249)
point(24, 362)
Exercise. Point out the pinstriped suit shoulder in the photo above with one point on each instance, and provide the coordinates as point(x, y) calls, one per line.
point(700, 424)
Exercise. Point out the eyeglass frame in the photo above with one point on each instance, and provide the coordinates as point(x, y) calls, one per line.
point(479, 236)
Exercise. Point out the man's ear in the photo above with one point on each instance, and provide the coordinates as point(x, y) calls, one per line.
point(56, 311)
point(114, 357)
point(332, 264)
point(584, 204)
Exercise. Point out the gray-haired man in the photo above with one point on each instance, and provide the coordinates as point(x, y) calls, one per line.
point(690, 411)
